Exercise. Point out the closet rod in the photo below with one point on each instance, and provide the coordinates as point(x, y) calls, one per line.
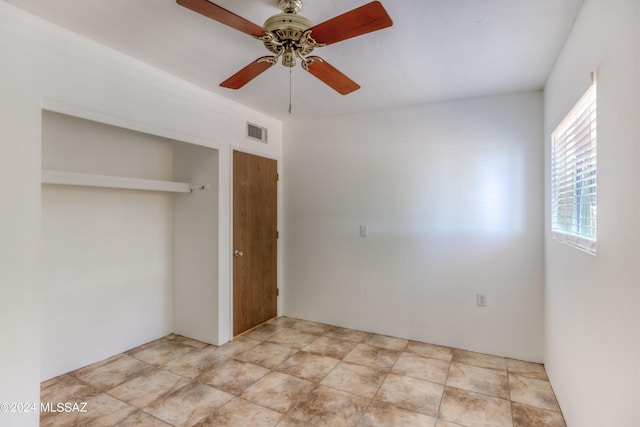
point(106, 181)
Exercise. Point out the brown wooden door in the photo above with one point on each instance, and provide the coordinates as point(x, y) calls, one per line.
point(254, 240)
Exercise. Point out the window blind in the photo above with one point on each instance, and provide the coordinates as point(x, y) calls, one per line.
point(574, 175)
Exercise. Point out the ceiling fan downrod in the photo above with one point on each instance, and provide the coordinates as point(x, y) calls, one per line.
point(290, 6)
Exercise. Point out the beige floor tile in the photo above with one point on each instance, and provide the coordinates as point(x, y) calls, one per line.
point(288, 373)
point(292, 422)
point(424, 368)
point(278, 391)
point(263, 332)
point(382, 415)
point(310, 327)
point(196, 362)
point(331, 347)
point(163, 352)
point(481, 380)
point(101, 411)
point(411, 393)
point(473, 409)
point(530, 416)
point(238, 346)
point(479, 359)
point(384, 341)
point(376, 357)
point(187, 341)
point(526, 369)
point(188, 405)
point(142, 391)
point(100, 363)
point(292, 338)
point(284, 321)
point(140, 418)
point(345, 334)
point(118, 371)
point(266, 354)
point(233, 376)
point(357, 379)
point(430, 350)
point(66, 388)
point(443, 423)
point(328, 407)
point(531, 391)
point(238, 412)
point(312, 367)
point(149, 344)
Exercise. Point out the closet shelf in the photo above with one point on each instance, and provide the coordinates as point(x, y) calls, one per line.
point(91, 180)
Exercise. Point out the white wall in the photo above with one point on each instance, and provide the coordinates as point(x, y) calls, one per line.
point(20, 290)
point(592, 331)
point(43, 64)
point(195, 236)
point(452, 196)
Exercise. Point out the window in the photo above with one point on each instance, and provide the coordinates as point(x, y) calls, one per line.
point(574, 175)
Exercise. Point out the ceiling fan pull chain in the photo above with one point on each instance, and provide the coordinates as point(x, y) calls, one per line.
point(290, 89)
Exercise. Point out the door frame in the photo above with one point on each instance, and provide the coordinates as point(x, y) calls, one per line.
point(230, 249)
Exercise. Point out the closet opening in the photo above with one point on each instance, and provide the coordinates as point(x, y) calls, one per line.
point(130, 240)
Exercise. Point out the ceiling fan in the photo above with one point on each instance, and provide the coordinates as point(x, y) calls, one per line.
point(290, 36)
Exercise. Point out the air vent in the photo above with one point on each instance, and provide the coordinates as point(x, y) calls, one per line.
point(256, 132)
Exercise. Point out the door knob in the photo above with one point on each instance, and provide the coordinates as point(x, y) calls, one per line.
point(237, 253)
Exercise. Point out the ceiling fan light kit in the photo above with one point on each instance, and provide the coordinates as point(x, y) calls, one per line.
point(289, 36)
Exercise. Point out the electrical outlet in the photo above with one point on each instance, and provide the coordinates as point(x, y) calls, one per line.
point(364, 231)
point(481, 299)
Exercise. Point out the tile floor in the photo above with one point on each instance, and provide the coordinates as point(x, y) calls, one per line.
point(290, 372)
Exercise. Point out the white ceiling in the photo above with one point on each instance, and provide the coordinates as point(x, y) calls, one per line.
point(436, 50)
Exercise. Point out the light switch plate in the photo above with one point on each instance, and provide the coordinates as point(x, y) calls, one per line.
point(481, 299)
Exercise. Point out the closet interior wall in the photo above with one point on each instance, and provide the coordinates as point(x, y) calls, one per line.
point(122, 267)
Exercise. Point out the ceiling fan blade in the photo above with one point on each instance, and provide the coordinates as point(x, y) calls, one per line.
point(223, 16)
point(248, 73)
point(362, 20)
point(330, 75)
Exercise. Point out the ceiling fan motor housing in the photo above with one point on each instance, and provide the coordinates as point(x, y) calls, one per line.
point(288, 36)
